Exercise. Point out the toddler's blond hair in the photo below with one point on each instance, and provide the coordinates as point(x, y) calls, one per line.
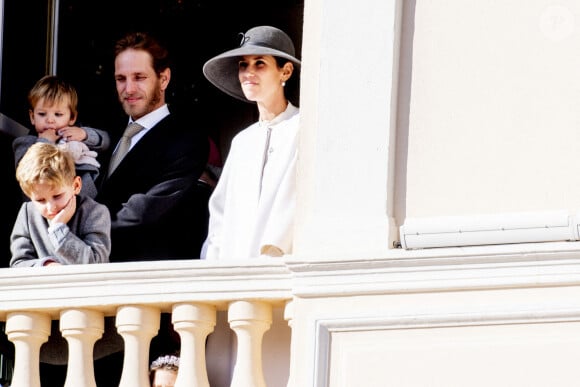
point(54, 90)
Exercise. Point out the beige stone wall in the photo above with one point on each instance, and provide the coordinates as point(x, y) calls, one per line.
point(493, 109)
point(471, 109)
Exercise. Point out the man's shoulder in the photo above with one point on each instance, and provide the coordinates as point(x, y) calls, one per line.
point(86, 203)
point(175, 121)
point(178, 127)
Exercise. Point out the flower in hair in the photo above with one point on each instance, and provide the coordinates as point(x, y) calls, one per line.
point(165, 361)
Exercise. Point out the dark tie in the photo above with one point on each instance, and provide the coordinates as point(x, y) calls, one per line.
point(124, 145)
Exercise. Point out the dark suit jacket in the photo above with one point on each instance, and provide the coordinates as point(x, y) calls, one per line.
point(12, 196)
point(156, 209)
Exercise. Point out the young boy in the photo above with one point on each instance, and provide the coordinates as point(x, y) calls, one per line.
point(53, 111)
point(56, 227)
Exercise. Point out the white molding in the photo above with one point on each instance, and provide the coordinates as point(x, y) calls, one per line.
point(471, 230)
point(433, 270)
point(325, 328)
point(164, 283)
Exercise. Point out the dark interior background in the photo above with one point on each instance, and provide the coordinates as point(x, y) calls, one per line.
point(194, 31)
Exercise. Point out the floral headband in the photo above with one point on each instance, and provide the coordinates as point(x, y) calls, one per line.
point(165, 361)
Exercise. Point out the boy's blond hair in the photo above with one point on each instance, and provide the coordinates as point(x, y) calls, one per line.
point(45, 163)
point(53, 90)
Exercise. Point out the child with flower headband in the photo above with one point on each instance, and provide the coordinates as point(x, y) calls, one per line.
point(163, 371)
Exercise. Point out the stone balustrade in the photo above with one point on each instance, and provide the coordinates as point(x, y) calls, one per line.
point(193, 292)
point(297, 322)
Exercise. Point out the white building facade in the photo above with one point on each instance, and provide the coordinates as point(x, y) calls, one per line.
point(437, 235)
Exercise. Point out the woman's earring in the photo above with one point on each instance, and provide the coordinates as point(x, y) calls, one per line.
point(283, 83)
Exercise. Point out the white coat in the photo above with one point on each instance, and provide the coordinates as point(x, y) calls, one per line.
point(254, 202)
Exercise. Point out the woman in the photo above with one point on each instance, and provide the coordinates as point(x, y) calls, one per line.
point(252, 207)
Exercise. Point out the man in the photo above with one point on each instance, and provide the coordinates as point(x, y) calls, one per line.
point(156, 209)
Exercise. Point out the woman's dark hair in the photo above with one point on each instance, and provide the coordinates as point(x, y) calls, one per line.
point(292, 88)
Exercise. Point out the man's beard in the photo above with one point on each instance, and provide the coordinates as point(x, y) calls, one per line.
point(135, 111)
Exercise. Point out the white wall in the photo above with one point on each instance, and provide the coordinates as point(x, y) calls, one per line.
point(348, 99)
point(494, 108)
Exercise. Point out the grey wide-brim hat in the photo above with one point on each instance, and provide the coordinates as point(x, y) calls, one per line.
point(222, 70)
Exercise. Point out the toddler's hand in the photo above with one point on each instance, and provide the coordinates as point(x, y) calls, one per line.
point(73, 133)
point(50, 135)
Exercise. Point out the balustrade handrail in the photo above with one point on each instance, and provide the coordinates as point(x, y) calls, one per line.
point(163, 283)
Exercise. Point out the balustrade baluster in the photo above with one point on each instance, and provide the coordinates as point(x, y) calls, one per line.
point(249, 320)
point(27, 330)
point(81, 329)
point(193, 322)
point(137, 325)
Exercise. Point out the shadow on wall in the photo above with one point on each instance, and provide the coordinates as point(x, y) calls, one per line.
point(276, 343)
